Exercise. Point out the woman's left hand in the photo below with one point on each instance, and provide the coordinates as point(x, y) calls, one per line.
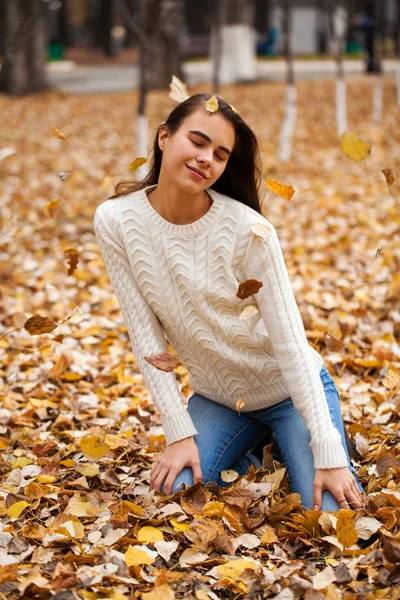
point(342, 485)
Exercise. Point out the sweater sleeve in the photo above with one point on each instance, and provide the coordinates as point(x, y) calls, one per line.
point(264, 261)
point(144, 329)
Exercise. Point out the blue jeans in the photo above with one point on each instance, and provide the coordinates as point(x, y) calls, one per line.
point(225, 436)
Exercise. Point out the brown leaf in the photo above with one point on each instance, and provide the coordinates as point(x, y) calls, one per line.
point(391, 549)
point(385, 461)
point(163, 361)
point(72, 258)
point(37, 325)
point(248, 288)
point(388, 173)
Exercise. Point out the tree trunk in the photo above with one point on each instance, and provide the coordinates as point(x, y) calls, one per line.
point(161, 24)
point(289, 123)
point(237, 60)
point(22, 28)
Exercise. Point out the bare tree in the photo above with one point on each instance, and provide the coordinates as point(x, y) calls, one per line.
point(338, 19)
point(285, 145)
point(158, 31)
point(233, 45)
point(23, 39)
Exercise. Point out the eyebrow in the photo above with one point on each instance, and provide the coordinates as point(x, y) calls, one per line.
point(203, 135)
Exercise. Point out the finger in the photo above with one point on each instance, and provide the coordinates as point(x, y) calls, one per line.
point(170, 482)
point(317, 495)
point(354, 499)
point(197, 474)
point(160, 479)
point(154, 473)
point(342, 501)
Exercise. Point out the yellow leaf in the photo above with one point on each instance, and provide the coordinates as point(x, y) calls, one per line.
point(20, 462)
point(16, 509)
point(139, 555)
point(134, 508)
point(58, 134)
point(93, 447)
point(240, 403)
point(161, 592)
point(248, 312)
point(149, 535)
point(114, 441)
point(345, 530)
point(354, 147)
point(179, 91)
point(261, 230)
point(138, 162)
point(213, 509)
point(87, 469)
point(233, 108)
point(285, 191)
point(234, 568)
point(212, 104)
point(51, 206)
point(179, 526)
point(81, 509)
point(46, 479)
point(107, 181)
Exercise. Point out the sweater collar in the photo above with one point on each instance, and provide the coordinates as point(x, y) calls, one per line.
point(173, 229)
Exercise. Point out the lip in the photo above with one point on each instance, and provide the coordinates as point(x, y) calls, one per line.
point(197, 172)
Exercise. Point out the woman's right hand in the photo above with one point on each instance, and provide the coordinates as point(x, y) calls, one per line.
point(175, 457)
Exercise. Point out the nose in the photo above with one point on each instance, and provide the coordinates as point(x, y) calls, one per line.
point(205, 157)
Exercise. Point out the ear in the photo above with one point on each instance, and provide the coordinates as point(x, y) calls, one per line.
point(163, 133)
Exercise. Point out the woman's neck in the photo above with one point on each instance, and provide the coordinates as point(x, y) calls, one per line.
point(177, 206)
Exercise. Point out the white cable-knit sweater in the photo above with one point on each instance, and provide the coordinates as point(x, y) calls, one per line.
point(183, 280)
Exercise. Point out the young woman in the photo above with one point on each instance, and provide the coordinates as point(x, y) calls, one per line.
point(176, 247)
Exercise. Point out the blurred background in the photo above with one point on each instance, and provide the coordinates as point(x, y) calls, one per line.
point(116, 45)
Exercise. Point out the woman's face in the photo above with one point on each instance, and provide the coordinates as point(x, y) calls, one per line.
point(195, 156)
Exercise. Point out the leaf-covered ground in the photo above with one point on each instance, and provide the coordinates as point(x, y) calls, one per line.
point(78, 430)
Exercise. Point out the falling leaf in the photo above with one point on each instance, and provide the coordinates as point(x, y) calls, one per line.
point(17, 509)
point(63, 175)
point(60, 366)
point(345, 530)
point(179, 91)
point(163, 361)
point(139, 555)
point(354, 147)
point(261, 230)
point(138, 162)
point(50, 207)
point(37, 325)
point(239, 404)
point(72, 258)
point(57, 133)
point(388, 173)
point(248, 288)
point(149, 535)
point(212, 104)
point(93, 447)
point(248, 312)
point(285, 191)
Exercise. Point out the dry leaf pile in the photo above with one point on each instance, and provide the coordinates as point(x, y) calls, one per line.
point(78, 430)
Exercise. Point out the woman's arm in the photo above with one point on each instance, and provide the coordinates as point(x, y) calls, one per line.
point(279, 310)
point(144, 329)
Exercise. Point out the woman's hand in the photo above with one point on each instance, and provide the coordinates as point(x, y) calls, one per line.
point(178, 455)
point(342, 485)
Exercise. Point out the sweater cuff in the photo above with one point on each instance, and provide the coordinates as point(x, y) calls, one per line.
point(178, 427)
point(328, 455)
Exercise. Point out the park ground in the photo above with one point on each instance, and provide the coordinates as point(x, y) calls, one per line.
point(78, 430)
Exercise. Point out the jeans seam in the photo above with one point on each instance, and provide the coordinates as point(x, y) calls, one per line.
point(226, 448)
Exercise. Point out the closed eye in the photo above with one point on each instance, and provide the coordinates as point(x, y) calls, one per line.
point(200, 145)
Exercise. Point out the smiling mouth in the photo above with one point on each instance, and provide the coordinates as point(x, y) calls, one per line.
point(198, 173)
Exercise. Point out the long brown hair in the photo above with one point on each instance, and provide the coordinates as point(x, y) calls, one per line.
point(241, 178)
